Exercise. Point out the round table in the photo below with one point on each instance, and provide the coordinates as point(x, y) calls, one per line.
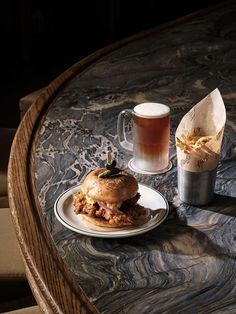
point(186, 264)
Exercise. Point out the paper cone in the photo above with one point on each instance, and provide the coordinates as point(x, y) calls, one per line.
point(209, 117)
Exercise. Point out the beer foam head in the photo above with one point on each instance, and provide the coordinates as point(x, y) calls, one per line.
point(151, 110)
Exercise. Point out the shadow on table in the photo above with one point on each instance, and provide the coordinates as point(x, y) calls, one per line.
point(184, 240)
point(223, 204)
point(190, 231)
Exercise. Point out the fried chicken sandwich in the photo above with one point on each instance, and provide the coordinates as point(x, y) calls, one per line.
point(108, 198)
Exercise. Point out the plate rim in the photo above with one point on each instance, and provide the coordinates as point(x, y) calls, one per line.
point(110, 234)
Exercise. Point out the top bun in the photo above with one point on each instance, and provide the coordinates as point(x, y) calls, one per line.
point(114, 189)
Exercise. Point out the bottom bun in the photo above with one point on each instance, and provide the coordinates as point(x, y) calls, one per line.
point(144, 214)
point(104, 223)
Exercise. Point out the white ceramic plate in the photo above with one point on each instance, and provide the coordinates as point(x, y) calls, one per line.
point(150, 198)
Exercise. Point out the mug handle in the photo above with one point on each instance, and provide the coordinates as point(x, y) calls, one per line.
point(121, 123)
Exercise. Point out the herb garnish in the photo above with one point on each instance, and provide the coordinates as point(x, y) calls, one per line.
point(111, 169)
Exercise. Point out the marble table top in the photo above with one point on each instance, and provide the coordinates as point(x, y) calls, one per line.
point(187, 264)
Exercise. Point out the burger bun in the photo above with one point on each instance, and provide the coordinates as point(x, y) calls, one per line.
point(114, 189)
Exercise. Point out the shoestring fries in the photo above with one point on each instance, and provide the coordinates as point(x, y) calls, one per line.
point(195, 144)
point(194, 141)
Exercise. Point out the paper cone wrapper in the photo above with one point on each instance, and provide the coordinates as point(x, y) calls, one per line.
point(210, 116)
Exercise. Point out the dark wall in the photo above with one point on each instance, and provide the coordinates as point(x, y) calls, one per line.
point(40, 39)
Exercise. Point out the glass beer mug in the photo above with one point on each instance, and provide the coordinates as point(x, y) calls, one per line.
point(151, 137)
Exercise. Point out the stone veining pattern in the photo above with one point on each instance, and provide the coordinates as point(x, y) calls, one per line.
point(187, 264)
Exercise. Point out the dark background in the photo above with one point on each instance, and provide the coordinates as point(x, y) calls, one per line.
point(40, 39)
